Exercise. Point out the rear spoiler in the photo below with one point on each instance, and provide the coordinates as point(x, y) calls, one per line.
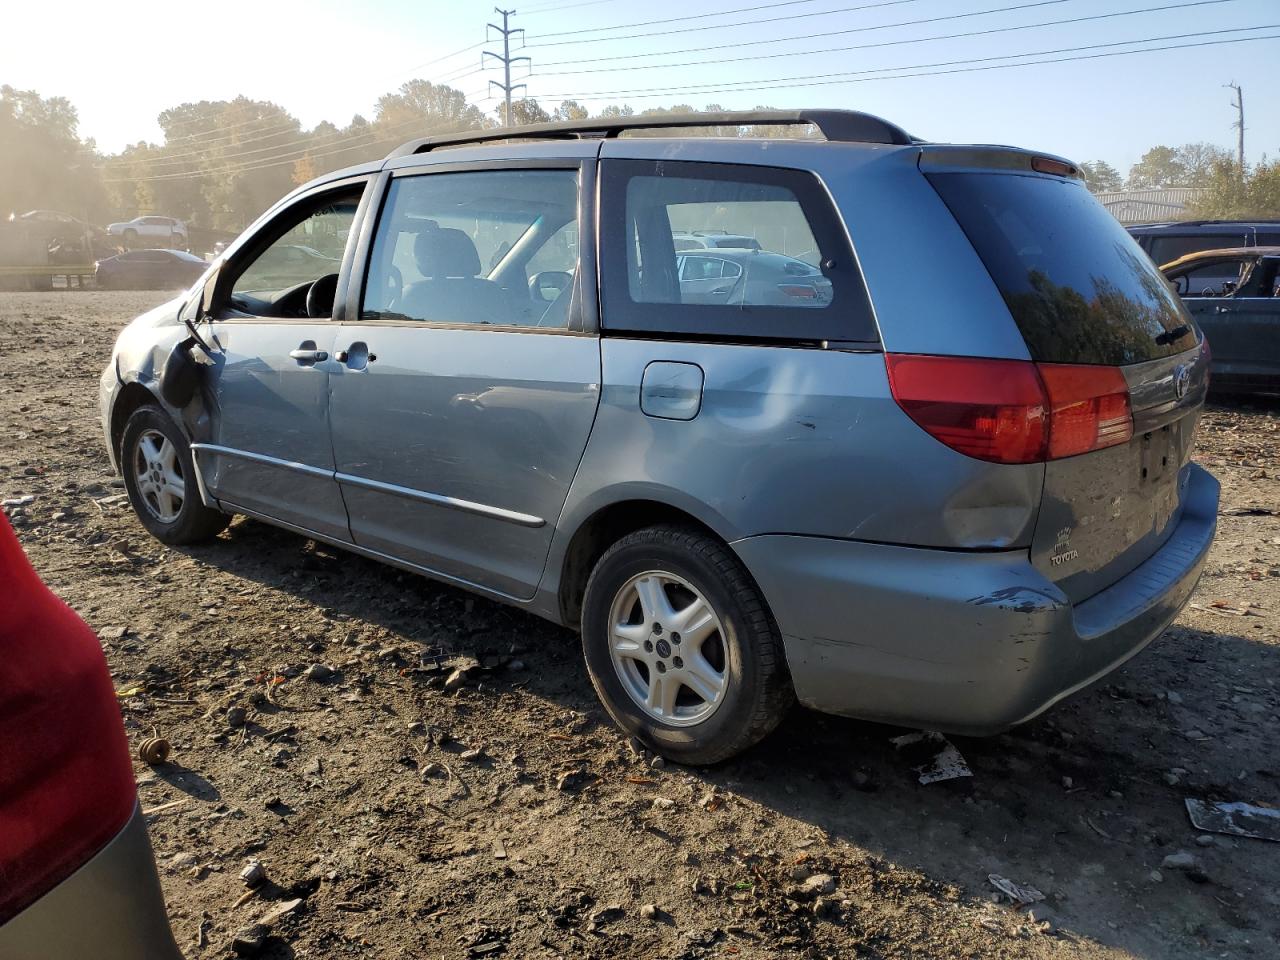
point(949, 158)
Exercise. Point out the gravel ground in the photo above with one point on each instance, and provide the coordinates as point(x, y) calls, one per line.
point(509, 818)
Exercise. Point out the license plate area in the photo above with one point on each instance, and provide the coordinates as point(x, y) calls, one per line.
point(1159, 462)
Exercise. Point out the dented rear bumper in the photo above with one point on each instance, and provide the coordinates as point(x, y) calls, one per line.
point(957, 641)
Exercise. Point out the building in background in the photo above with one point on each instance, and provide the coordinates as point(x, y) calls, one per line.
point(1151, 206)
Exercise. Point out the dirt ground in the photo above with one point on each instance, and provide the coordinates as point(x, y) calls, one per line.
point(509, 818)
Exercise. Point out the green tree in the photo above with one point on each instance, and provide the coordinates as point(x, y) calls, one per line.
point(1198, 161)
point(1229, 197)
point(1100, 176)
point(43, 161)
point(421, 108)
point(570, 110)
point(523, 112)
point(1158, 167)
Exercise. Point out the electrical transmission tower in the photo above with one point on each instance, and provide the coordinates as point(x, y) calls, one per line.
point(506, 59)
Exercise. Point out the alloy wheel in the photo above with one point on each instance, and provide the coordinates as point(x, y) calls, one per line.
point(667, 646)
point(157, 471)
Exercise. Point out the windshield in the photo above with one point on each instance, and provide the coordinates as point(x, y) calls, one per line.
point(1079, 287)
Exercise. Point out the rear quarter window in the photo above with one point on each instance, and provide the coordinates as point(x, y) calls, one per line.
point(743, 293)
point(1078, 286)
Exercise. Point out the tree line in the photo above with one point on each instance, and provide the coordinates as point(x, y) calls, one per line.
point(221, 163)
point(1229, 191)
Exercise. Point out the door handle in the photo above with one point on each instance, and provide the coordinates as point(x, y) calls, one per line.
point(1222, 309)
point(356, 356)
point(309, 356)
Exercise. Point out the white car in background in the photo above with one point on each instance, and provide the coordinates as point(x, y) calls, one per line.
point(151, 231)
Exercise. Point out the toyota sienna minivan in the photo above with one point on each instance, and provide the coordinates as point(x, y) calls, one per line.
point(942, 479)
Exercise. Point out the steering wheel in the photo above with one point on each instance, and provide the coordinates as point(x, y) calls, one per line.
point(320, 296)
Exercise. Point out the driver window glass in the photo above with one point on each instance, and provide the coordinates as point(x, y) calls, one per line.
point(310, 247)
point(488, 247)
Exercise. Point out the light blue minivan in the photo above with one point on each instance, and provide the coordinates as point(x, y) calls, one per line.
point(938, 474)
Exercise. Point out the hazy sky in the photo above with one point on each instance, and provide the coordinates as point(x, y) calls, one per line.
point(122, 63)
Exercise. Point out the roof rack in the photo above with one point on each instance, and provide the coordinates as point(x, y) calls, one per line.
point(844, 126)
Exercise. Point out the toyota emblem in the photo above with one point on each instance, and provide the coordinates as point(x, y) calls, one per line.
point(1181, 380)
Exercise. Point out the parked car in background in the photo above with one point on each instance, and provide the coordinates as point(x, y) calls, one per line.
point(149, 270)
point(56, 224)
point(750, 276)
point(945, 503)
point(1166, 242)
point(77, 875)
point(709, 240)
point(1240, 317)
point(151, 231)
point(54, 237)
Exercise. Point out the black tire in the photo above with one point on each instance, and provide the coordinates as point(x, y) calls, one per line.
point(191, 521)
point(757, 688)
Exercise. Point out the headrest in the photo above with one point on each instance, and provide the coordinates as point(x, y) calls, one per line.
point(445, 252)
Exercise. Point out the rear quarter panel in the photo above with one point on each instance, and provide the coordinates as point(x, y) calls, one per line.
point(792, 440)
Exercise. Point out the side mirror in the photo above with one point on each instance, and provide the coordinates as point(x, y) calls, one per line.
point(548, 285)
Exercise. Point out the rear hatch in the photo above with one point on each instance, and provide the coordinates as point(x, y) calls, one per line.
point(1089, 303)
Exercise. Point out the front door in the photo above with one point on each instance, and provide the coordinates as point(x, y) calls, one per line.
point(463, 395)
point(269, 451)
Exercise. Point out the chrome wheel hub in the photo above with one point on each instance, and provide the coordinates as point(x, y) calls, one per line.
point(668, 648)
point(157, 472)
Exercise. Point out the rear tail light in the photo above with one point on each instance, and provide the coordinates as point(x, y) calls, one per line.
point(1012, 411)
point(1088, 408)
point(66, 780)
point(801, 291)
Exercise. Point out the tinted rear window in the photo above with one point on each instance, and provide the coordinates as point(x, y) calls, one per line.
point(1078, 286)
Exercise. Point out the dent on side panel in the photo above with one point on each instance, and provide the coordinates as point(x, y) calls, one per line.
point(795, 441)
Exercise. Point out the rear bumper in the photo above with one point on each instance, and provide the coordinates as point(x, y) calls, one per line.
point(962, 642)
point(110, 909)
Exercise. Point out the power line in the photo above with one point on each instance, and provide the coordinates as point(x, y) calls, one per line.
point(889, 43)
point(557, 7)
point(704, 16)
point(797, 16)
point(854, 77)
point(370, 138)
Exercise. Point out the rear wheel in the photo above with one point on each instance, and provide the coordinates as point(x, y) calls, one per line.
point(159, 475)
point(680, 647)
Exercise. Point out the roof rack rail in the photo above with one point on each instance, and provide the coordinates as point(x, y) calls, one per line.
point(844, 126)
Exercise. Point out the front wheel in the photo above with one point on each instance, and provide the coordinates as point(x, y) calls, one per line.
point(159, 476)
point(680, 646)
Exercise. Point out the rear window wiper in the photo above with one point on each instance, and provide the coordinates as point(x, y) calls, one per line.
point(1169, 336)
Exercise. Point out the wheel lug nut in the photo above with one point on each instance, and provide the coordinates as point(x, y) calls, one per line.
point(648, 647)
point(657, 628)
point(675, 638)
point(662, 667)
point(679, 663)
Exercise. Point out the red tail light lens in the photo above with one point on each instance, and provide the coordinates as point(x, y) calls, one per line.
point(1013, 411)
point(989, 409)
point(803, 291)
point(1088, 408)
point(66, 781)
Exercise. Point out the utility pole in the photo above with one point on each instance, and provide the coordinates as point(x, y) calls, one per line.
point(505, 59)
point(1239, 124)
